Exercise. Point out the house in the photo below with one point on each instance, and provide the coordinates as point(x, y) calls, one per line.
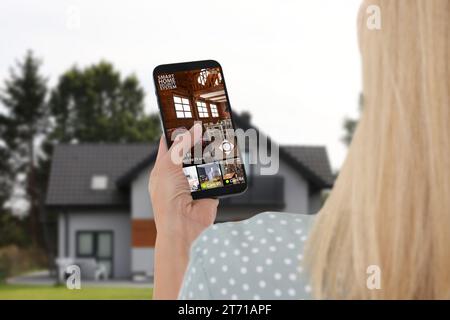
point(99, 192)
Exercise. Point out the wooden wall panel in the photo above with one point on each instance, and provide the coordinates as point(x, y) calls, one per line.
point(143, 233)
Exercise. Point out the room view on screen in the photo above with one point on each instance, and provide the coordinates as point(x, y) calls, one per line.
point(199, 95)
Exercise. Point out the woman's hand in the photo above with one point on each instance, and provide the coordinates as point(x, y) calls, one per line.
point(179, 219)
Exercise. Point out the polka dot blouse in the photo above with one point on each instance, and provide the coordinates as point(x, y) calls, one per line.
point(259, 258)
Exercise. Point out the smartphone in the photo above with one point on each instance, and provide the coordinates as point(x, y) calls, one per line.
point(193, 92)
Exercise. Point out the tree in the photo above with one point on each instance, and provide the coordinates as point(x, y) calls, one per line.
point(96, 105)
point(350, 124)
point(10, 227)
point(25, 120)
point(5, 170)
point(12, 230)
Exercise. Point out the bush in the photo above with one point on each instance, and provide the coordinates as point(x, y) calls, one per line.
point(5, 268)
point(15, 260)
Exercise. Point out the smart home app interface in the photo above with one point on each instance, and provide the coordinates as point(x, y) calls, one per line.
point(193, 96)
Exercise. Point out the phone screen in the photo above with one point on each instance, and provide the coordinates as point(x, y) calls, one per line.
point(197, 93)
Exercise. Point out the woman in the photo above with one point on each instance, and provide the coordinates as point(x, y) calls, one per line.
point(390, 206)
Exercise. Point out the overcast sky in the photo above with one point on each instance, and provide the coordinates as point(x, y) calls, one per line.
point(294, 64)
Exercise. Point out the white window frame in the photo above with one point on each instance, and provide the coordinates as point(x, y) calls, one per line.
point(214, 110)
point(202, 109)
point(182, 107)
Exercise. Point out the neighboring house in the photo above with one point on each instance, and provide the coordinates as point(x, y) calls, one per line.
point(104, 212)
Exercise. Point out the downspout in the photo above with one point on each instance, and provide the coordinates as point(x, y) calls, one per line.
point(66, 235)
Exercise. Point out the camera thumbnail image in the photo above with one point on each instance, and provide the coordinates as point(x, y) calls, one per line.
point(191, 175)
point(209, 176)
point(233, 172)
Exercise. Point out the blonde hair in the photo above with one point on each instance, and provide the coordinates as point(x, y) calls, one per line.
point(390, 205)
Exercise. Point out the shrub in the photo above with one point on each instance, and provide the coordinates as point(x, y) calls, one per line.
point(15, 260)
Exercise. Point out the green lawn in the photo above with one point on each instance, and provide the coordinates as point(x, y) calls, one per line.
point(16, 292)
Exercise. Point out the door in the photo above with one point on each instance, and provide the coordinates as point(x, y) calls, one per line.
point(97, 245)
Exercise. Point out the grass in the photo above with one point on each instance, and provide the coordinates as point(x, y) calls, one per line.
point(22, 292)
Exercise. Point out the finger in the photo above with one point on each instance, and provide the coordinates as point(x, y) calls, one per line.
point(184, 142)
point(162, 149)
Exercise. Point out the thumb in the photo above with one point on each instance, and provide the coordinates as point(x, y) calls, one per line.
point(162, 149)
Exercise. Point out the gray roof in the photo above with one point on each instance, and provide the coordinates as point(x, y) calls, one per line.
point(73, 166)
point(314, 158)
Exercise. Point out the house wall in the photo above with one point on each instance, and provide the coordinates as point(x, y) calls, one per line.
point(142, 252)
point(296, 196)
point(315, 202)
point(142, 257)
point(142, 261)
point(295, 190)
point(100, 220)
point(296, 187)
point(140, 201)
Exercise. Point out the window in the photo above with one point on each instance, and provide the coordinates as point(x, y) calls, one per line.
point(182, 107)
point(203, 76)
point(97, 245)
point(99, 182)
point(202, 110)
point(214, 112)
point(219, 79)
point(86, 244)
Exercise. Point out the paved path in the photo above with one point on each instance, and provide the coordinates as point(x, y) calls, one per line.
point(45, 278)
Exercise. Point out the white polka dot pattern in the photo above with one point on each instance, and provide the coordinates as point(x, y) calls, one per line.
point(259, 258)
